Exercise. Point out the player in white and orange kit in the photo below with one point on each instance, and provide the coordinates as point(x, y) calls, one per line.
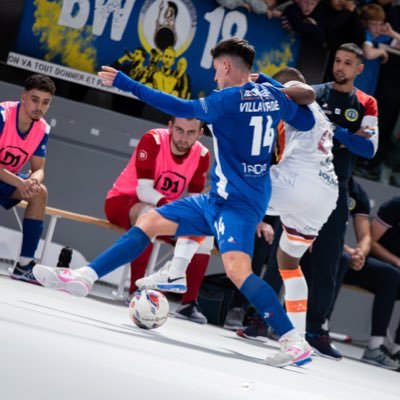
point(23, 138)
point(304, 194)
point(165, 164)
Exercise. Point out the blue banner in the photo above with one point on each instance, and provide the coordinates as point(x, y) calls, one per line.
point(164, 44)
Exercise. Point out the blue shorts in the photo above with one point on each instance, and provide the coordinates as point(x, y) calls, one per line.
point(232, 223)
point(6, 191)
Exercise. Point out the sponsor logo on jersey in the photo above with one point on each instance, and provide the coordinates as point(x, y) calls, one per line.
point(11, 156)
point(331, 179)
point(255, 94)
point(231, 239)
point(351, 114)
point(255, 169)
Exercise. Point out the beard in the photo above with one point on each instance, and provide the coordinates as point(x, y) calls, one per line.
point(182, 147)
point(341, 79)
point(36, 116)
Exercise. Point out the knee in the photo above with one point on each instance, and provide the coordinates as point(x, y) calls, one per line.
point(148, 216)
point(41, 196)
point(392, 277)
point(237, 270)
point(149, 222)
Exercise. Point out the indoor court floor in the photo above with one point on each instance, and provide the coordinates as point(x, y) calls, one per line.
point(56, 346)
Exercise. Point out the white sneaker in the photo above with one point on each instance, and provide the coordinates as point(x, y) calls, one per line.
point(161, 280)
point(294, 350)
point(63, 279)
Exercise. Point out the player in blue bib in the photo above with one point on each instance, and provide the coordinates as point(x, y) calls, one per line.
point(242, 117)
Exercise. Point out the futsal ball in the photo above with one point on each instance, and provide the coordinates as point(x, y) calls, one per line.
point(149, 309)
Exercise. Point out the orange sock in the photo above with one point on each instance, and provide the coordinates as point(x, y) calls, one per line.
point(296, 293)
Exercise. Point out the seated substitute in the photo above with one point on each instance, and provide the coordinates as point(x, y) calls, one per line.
point(165, 164)
point(23, 138)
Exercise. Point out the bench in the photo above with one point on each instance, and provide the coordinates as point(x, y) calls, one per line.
point(55, 214)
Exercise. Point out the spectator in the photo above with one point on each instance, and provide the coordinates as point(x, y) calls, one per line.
point(373, 19)
point(165, 164)
point(342, 24)
point(386, 164)
point(256, 6)
point(372, 272)
point(304, 17)
point(23, 137)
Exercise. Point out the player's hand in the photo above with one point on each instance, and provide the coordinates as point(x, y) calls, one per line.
point(107, 75)
point(28, 188)
point(267, 231)
point(357, 259)
point(366, 132)
point(254, 77)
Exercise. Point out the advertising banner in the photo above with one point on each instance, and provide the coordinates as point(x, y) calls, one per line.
point(163, 44)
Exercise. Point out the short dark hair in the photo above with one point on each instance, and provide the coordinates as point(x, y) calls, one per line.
point(289, 74)
point(352, 48)
point(173, 118)
point(40, 82)
point(235, 47)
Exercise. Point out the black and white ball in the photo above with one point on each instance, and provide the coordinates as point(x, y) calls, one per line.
point(149, 309)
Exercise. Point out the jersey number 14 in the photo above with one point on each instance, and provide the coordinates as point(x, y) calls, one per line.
point(257, 122)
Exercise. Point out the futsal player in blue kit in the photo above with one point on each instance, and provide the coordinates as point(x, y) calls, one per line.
point(242, 117)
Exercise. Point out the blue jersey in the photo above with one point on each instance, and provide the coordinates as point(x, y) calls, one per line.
point(242, 121)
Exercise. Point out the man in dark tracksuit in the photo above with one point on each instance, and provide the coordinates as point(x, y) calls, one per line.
point(355, 116)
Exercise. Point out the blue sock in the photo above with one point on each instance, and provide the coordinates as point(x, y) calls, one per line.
point(125, 249)
point(31, 232)
point(267, 304)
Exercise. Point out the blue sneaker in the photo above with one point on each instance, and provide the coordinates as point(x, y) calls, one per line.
point(321, 343)
point(24, 273)
point(256, 330)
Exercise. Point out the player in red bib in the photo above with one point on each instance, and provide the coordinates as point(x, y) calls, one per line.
point(165, 164)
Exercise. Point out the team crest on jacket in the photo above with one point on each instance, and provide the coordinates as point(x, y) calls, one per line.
point(351, 114)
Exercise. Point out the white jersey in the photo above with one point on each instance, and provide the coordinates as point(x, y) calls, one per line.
point(310, 150)
point(304, 183)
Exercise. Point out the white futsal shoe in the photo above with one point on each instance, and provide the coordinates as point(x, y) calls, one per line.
point(294, 351)
point(161, 280)
point(63, 279)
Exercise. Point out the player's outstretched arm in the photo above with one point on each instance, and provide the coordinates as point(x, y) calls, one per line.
point(163, 101)
point(299, 92)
